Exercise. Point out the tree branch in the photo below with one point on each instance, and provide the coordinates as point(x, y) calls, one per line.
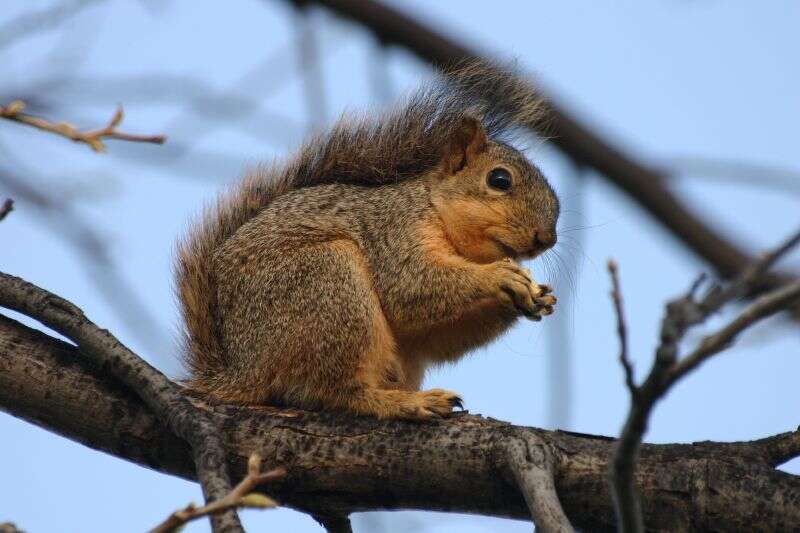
point(198, 428)
point(339, 464)
point(532, 466)
point(681, 314)
point(92, 138)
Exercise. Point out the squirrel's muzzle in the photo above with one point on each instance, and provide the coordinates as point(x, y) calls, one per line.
point(542, 240)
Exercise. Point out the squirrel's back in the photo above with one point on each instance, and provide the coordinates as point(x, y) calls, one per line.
point(390, 147)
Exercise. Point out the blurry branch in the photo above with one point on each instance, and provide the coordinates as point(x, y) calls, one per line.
point(66, 223)
point(9, 527)
point(92, 138)
point(310, 66)
point(379, 75)
point(645, 185)
point(196, 427)
point(682, 314)
point(6, 208)
point(208, 108)
point(241, 496)
point(734, 171)
point(39, 21)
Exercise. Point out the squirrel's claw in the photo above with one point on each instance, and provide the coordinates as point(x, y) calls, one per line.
point(456, 401)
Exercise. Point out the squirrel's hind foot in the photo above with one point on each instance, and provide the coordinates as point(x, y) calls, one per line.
point(408, 405)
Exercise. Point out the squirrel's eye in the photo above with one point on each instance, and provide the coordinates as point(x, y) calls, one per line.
point(499, 178)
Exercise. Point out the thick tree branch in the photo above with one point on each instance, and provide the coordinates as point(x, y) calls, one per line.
point(161, 396)
point(92, 138)
point(338, 464)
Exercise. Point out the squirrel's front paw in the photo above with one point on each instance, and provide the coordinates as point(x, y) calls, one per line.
point(515, 288)
point(544, 301)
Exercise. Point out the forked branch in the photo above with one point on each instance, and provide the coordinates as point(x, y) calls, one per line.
point(197, 427)
point(681, 314)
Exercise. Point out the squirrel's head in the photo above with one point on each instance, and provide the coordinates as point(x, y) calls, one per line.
point(493, 202)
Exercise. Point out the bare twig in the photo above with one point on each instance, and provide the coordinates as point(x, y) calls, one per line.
point(764, 306)
point(92, 138)
point(616, 296)
point(6, 208)
point(241, 496)
point(681, 314)
point(196, 427)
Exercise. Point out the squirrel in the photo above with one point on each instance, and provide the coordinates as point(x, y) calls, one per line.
point(389, 244)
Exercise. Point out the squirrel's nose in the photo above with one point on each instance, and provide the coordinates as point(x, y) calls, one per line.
point(542, 240)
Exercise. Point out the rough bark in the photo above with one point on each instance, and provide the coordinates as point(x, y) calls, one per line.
point(339, 464)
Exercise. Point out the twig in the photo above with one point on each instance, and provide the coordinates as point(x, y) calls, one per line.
point(616, 296)
point(765, 306)
point(6, 208)
point(198, 428)
point(92, 138)
point(241, 496)
point(681, 314)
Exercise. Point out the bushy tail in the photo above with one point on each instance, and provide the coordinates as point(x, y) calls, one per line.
point(400, 144)
point(195, 283)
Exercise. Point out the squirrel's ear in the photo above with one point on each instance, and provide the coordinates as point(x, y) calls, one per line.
point(468, 141)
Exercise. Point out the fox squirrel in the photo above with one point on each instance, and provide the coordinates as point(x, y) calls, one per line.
point(384, 246)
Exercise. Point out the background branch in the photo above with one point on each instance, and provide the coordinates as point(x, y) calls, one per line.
point(92, 138)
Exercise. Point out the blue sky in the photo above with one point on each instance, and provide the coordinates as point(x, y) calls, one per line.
point(667, 80)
